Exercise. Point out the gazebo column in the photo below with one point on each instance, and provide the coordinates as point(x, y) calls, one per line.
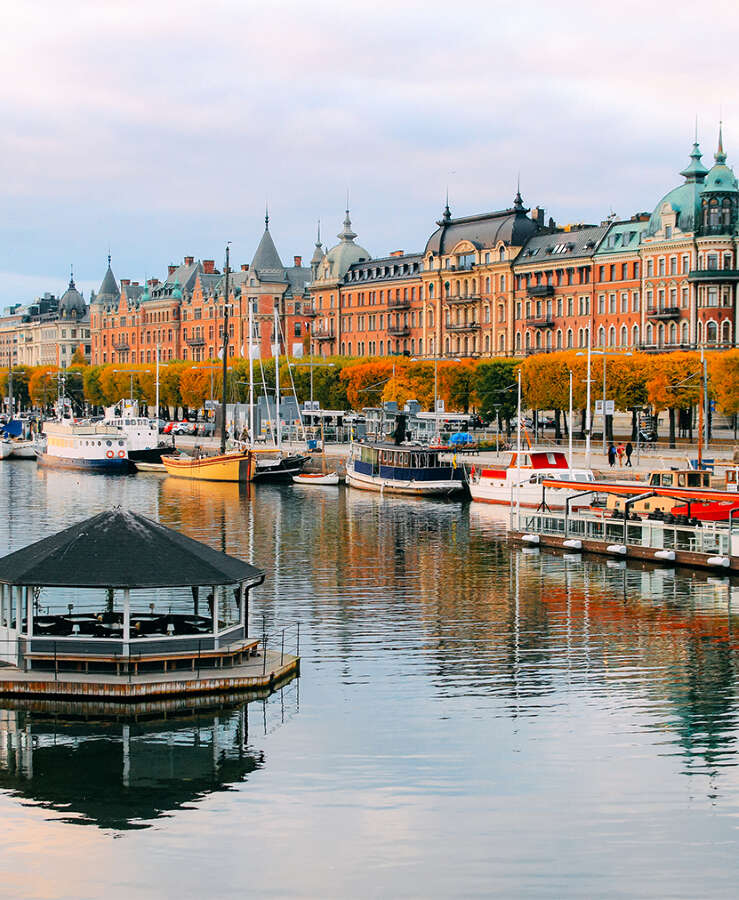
point(3, 617)
point(29, 611)
point(245, 608)
point(215, 617)
point(195, 599)
point(126, 621)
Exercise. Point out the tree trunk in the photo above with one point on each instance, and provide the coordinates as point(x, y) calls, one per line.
point(609, 428)
point(634, 424)
point(672, 428)
point(557, 425)
point(583, 418)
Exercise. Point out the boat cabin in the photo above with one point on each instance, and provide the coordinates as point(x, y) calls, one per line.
point(731, 480)
point(411, 457)
point(664, 478)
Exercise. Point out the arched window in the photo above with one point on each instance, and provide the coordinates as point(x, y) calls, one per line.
point(673, 333)
point(518, 341)
point(538, 340)
point(487, 343)
point(501, 343)
point(528, 340)
point(635, 336)
point(726, 333)
point(650, 334)
point(549, 340)
point(661, 335)
point(501, 254)
point(601, 336)
point(711, 332)
point(431, 290)
point(624, 336)
point(569, 338)
point(501, 313)
point(559, 339)
point(684, 333)
point(446, 345)
point(486, 313)
point(487, 285)
point(612, 336)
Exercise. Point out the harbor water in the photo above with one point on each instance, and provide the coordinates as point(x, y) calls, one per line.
point(472, 719)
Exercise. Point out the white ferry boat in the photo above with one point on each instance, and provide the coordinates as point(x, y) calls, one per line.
point(141, 433)
point(402, 469)
point(521, 483)
point(92, 448)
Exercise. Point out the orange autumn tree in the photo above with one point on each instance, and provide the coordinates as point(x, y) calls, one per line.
point(674, 384)
point(195, 387)
point(42, 385)
point(365, 382)
point(724, 374)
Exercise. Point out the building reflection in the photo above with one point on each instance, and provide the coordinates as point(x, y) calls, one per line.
point(123, 769)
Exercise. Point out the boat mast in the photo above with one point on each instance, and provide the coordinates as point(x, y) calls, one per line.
point(225, 355)
point(251, 372)
point(276, 348)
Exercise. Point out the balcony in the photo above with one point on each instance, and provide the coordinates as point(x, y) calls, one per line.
point(459, 298)
point(709, 275)
point(195, 341)
point(667, 312)
point(399, 330)
point(466, 326)
point(307, 312)
point(540, 323)
point(121, 343)
point(399, 304)
point(323, 334)
point(540, 290)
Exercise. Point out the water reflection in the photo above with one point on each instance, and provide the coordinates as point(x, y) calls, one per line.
point(125, 767)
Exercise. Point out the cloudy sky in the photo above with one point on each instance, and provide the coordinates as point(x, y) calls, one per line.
point(161, 128)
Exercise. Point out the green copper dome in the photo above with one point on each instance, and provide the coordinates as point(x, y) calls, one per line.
point(685, 199)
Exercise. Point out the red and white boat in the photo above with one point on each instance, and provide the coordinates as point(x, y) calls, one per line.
point(521, 481)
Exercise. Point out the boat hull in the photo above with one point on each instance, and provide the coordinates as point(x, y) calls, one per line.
point(150, 454)
point(6, 449)
point(530, 497)
point(317, 479)
point(105, 466)
point(282, 470)
point(443, 488)
point(226, 467)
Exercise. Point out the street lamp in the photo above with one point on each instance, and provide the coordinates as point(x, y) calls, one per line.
point(311, 365)
point(435, 360)
point(588, 424)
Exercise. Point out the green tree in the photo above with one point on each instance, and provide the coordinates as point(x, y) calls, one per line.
point(494, 383)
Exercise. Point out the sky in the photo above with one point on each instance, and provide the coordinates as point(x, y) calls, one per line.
point(161, 129)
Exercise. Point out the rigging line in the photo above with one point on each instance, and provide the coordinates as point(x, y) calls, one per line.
point(292, 380)
point(266, 397)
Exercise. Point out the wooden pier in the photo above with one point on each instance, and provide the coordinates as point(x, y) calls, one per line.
point(262, 673)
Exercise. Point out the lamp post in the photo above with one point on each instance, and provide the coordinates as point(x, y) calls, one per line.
point(588, 420)
point(436, 360)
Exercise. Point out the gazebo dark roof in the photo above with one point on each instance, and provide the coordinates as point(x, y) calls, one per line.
point(121, 549)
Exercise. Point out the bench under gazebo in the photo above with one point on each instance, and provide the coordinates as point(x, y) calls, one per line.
point(120, 595)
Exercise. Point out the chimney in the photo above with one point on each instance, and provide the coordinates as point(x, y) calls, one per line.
point(189, 260)
point(397, 253)
point(134, 284)
point(244, 267)
point(209, 266)
point(153, 282)
point(298, 261)
point(538, 216)
point(171, 268)
point(125, 282)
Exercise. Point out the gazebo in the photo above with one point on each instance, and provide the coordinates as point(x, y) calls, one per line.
point(119, 592)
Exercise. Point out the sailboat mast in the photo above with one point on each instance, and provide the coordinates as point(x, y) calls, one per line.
point(251, 371)
point(225, 355)
point(277, 377)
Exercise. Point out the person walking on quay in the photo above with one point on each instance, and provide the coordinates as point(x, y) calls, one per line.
point(611, 455)
point(629, 451)
point(620, 451)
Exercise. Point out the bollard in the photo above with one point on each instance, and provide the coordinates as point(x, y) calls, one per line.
point(282, 647)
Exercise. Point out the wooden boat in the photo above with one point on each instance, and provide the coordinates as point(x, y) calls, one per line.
point(150, 467)
point(319, 478)
point(223, 467)
point(6, 448)
point(24, 449)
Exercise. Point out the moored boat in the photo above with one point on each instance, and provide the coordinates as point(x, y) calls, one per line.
point(317, 478)
point(6, 448)
point(235, 466)
point(91, 448)
point(402, 469)
point(521, 481)
point(24, 449)
point(275, 464)
point(142, 434)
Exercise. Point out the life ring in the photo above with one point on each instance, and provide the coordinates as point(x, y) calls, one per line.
point(121, 453)
point(110, 454)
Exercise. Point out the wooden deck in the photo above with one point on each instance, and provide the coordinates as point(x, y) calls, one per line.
point(256, 675)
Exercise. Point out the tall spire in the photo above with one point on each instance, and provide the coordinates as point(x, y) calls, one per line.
point(266, 217)
point(518, 202)
point(719, 155)
point(447, 217)
point(347, 235)
point(71, 276)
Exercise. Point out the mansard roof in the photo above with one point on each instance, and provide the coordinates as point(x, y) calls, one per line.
point(512, 226)
point(385, 268)
point(561, 246)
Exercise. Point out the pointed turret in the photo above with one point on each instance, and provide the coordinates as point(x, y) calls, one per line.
point(719, 155)
point(347, 235)
point(109, 291)
point(267, 259)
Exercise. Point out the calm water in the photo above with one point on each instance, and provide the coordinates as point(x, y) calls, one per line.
point(471, 720)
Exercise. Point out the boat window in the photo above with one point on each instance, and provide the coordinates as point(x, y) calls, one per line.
point(120, 443)
point(694, 479)
point(706, 479)
point(667, 480)
point(654, 478)
point(681, 479)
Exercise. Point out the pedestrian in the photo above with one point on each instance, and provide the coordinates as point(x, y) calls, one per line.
point(620, 452)
point(611, 455)
point(629, 451)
